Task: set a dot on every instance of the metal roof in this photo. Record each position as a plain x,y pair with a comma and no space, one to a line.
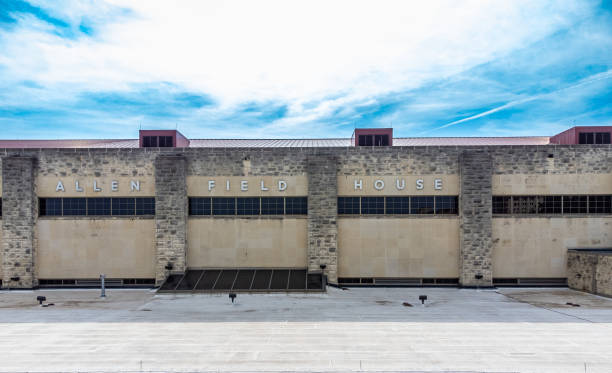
279,143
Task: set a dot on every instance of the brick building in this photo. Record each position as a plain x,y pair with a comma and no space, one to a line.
371,209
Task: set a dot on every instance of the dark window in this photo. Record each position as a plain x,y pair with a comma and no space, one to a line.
123,206
74,206
149,141
600,204
98,206
296,206
398,205
165,142
348,205
224,206
381,140
586,138
550,205
365,140
50,206
145,206
446,205
372,205
0,206
525,204
421,205
575,204
602,138
272,206
199,206
247,206
501,205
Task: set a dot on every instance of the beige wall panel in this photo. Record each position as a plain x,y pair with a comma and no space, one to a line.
537,247
518,184
236,242
46,187
198,186
85,248
449,185
410,247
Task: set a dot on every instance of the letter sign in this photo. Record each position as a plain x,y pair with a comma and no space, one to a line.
244,185
419,184
379,185
282,185
60,187
135,185
95,187
211,185
359,184
77,187
114,185
438,184
263,187
400,186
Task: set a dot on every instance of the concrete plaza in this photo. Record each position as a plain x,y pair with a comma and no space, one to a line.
504,330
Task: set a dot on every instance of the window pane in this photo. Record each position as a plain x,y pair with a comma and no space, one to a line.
123,206
602,138
575,204
98,206
165,141
550,205
525,204
421,205
149,141
247,206
446,205
348,205
398,205
199,206
296,206
224,206
145,206
372,205
50,206
74,206
600,204
272,206
501,205
362,140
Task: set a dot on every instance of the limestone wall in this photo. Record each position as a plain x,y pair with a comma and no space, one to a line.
590,271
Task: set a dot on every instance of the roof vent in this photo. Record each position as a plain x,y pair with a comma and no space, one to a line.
373,137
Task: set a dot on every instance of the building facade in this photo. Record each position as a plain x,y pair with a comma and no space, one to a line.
394,211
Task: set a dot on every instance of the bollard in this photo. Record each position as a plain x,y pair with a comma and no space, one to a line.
102,289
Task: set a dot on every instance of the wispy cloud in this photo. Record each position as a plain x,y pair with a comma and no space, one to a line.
286,69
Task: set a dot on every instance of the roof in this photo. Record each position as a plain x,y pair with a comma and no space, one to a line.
279,143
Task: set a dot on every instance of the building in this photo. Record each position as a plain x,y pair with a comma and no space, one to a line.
369,210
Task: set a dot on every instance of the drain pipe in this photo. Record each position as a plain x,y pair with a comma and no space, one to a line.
102,288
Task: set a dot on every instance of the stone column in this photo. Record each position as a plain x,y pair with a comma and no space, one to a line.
323,215
170,215
475,205
19,209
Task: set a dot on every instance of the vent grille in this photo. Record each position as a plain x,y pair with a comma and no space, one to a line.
93,282
400,281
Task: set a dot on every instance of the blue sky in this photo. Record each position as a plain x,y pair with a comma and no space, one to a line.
280,69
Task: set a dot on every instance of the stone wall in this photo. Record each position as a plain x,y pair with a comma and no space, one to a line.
590,270
323,215
475,212
19,209
170,215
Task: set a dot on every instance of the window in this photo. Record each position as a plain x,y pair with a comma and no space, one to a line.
98,206
398,205
50,206
550,205
348,205
224,206
372,205
165,142
272,206
149,141
594,138
525,204
145,206
575,204
247,206
0,206
422,205
199,206
296,206
373,140
501,205
123,206
446,205
600,204
74,206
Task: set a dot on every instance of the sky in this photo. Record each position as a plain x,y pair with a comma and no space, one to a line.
303,69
